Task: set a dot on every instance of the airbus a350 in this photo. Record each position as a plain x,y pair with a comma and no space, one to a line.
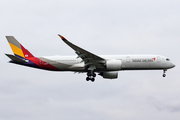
86,62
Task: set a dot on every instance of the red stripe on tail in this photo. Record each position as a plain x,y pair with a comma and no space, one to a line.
26,53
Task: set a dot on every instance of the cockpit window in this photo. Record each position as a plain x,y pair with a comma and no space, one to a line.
167,59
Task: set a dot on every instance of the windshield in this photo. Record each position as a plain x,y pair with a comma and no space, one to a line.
167,59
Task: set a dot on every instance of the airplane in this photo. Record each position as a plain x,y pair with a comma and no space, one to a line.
106,66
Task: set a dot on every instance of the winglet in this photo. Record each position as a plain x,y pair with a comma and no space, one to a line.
62,37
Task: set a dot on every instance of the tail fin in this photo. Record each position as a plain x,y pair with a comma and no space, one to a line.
17,48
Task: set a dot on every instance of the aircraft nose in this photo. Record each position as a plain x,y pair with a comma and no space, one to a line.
173,65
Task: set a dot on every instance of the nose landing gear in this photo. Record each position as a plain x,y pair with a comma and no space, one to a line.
164,73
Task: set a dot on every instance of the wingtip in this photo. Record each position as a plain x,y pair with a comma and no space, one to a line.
61,37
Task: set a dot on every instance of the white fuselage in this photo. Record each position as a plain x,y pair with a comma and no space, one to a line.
129,62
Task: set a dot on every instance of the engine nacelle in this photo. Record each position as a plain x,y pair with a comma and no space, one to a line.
113,65
109,75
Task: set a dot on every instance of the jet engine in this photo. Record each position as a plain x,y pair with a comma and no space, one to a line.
113,65
109,75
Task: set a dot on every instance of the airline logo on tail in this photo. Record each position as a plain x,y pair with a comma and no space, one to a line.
17,48
24,57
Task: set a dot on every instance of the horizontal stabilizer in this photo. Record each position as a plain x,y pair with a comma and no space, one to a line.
15,59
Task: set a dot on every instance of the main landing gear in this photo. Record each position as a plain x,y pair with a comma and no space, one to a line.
164,73
91,76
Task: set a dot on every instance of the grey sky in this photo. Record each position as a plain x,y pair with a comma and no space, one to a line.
102,27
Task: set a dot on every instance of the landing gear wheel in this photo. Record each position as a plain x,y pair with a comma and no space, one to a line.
88,74
92,79
94,75
87,79
164,75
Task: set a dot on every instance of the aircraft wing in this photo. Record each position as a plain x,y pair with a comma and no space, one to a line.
91,60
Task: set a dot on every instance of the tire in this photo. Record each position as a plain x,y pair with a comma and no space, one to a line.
92,79
87,79
94,75
88,74
164,75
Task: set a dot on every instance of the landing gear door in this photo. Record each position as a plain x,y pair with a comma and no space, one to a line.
128,59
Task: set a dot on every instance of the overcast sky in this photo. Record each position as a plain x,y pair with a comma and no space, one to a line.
102,27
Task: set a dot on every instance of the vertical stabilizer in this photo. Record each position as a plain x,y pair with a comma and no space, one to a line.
17,48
